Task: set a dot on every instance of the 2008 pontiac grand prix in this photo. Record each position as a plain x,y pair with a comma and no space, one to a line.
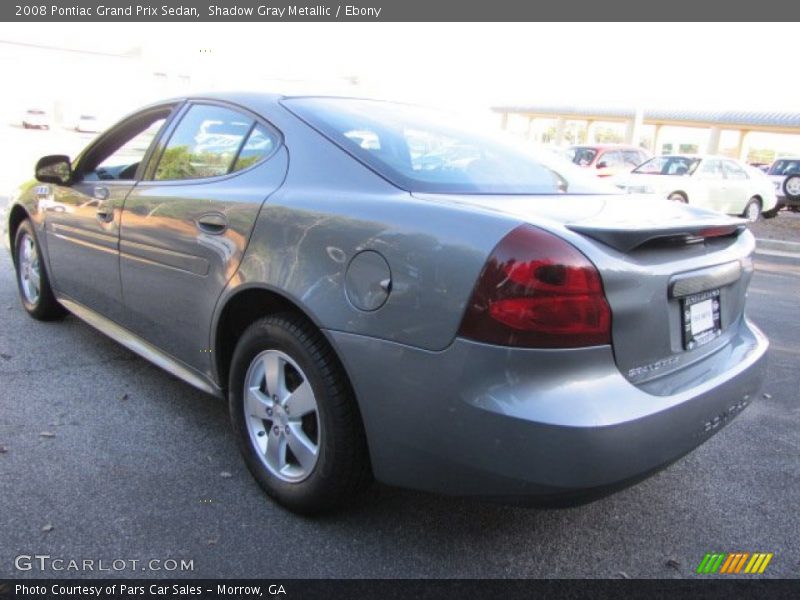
379,290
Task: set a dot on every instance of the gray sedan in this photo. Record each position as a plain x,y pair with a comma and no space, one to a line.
381,290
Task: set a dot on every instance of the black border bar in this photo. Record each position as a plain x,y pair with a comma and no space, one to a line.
402,589
400,11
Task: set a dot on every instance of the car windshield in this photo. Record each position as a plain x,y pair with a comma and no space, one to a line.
426,150
668,165
582,156
785,167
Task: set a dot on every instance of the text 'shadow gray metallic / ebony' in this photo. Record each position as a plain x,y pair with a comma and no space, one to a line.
381,290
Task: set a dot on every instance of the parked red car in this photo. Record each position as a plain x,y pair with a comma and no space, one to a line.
608,159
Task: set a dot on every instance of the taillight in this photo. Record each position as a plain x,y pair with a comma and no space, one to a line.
538,291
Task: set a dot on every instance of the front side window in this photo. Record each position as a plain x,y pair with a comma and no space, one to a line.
426,150
118,154
211,141
582,157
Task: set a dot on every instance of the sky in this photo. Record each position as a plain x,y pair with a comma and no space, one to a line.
466,66
699,66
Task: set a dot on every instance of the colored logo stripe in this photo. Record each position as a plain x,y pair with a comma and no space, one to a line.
758,563
733,562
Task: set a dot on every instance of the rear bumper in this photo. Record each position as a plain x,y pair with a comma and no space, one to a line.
546,426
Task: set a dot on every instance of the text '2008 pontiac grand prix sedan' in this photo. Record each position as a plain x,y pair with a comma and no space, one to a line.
380,291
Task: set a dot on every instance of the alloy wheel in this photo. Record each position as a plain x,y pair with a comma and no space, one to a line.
30,276
753,212
282,416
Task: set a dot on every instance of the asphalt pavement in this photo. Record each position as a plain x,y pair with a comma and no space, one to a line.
105,457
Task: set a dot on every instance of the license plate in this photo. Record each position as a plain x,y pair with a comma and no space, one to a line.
701,320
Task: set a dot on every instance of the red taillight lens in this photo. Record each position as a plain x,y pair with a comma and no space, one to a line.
538,291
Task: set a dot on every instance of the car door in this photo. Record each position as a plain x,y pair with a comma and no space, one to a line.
738,186
710,187
185,226
82,220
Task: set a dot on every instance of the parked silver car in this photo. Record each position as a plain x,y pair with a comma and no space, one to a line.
379,290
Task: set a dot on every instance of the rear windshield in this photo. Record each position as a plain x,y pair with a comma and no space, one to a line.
785,167
426,150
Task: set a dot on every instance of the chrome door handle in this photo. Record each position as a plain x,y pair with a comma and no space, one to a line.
104,212
212,223
101,192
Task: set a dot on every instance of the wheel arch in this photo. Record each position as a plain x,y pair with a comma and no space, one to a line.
680,192
15,218
249,304
241,308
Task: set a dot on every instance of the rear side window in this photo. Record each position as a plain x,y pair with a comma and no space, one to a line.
633,158
211,141
260,143
734,171
426,150
711,169
610,159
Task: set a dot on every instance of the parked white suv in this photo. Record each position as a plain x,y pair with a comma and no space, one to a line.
785,176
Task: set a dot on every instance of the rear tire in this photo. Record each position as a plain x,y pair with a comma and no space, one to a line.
752,212
771,214
33,282
302,440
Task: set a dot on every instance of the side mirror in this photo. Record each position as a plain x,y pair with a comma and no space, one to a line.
55,168
602,165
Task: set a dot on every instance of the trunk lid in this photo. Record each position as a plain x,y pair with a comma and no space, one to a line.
675,276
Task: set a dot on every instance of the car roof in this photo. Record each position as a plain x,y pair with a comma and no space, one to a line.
608,147
698,156
253,99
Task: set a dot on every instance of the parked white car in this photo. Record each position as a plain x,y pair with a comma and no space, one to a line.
88,124
35,118
714,182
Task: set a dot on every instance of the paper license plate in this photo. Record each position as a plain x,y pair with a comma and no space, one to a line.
701,319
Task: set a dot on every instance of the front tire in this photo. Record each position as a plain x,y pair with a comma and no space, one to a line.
752,212
296,417
33,282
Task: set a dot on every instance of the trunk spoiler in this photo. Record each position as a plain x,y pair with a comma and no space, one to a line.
626,237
